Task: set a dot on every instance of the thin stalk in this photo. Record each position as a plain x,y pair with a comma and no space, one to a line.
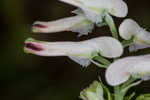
108,92
98,64
131,80
112,26
118,95
102,60
126,43
131,96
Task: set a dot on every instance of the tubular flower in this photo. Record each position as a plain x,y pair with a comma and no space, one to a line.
121,70
96,9
81,52
93,92
141,38
78,23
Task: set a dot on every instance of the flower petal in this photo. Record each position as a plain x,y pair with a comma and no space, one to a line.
135,47
95,9
109,47
141,70
121,70
128,29
80,52
119,8
82,61
77,23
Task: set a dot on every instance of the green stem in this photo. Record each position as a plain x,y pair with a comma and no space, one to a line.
118,94
131,96
120,91
98,64
126,43
108,92
131,80
111,24
102,60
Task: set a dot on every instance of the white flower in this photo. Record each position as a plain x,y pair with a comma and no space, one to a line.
78,23
96,9
80,52
93,92
121,70
141,38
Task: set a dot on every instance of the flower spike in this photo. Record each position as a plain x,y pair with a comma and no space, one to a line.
78,23
80,52
141,38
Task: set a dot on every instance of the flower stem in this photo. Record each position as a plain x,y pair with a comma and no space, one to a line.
126,43
112,26
120,91
118,94
98,64
102,60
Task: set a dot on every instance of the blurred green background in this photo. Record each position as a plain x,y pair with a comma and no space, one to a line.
30,77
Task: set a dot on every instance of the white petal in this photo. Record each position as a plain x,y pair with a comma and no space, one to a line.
120,71
83,62
45,48
107,46
117,8
128,28
95,18
135,47
143,37
77,23
76,3
77,11
117,73
141,69
83,28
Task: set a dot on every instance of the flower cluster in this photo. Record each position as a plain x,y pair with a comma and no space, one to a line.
90,13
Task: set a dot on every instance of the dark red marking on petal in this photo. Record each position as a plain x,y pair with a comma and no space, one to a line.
39,25
33,47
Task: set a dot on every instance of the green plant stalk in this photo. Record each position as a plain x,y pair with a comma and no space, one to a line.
109,96
112,26
118,94
102,60
98,64
120,91
126,43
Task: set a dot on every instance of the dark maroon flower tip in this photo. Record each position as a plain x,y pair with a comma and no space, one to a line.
39,25
33,47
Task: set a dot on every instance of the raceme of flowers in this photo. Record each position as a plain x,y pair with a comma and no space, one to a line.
88,14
